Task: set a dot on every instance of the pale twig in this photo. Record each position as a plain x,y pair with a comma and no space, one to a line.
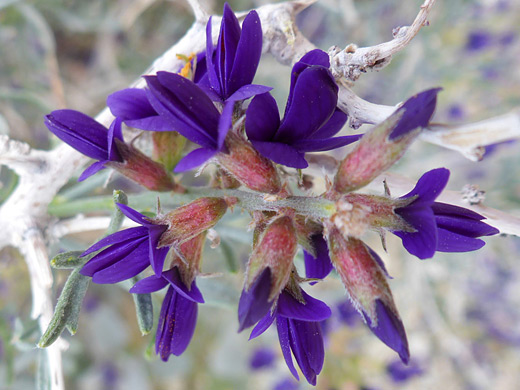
352,61
470,139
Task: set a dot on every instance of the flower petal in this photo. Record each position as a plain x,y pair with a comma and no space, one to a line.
149,285
448,241
194,159
130,103
225,123
312,310
114,132
281,154
320,266
307,347
254,303
417,112
263,325
134,215
248,53
423,242
157,255
429,186
262,118
314,100
282,325
321,145
80,131
176,282
165,325
125,268
119,238
332,126
185,321
92,170
390,330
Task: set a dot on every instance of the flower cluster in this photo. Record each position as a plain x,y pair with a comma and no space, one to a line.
206,103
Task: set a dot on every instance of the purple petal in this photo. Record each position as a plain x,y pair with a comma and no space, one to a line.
176,282
389,330
307,347
321,145
166,325
314,100
247,54
228,40
401,373
316,57
80,131
114,132
440,208
225,123
262,358
149,285
262,118
92,170
429,186
281,154
184,326
262,325
332,126
282,325
423,242
254,303
448,241
248,91
320,266
464,226
417,112
378,260
129,266
175,101
212,74
130,103
134,215
152,123
194,159
312,310
131,234
157,255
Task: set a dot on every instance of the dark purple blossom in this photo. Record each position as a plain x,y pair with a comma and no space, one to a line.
87,136
311,117
347,313
178,311
439,226
286,384
320,266
191,113
402,373
299,332
262,358
129,251
254,303
231,70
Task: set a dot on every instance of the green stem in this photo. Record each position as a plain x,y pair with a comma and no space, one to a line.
313,207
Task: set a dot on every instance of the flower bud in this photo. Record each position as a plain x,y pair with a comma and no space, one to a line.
268,270
384,144
363,274
191,220
191,251
250,168
355,213
142,169
167,148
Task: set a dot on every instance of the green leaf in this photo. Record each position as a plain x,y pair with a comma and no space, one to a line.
69,260
144,311
67,309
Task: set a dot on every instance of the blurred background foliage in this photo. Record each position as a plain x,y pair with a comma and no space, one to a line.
461,311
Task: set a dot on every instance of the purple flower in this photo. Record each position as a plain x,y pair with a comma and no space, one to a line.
232,69
254,303
320,266
401,373
129,251
286,384
439,226
348,313
299,332
191,113
87,136
178,311
262,358
311,116
478,40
